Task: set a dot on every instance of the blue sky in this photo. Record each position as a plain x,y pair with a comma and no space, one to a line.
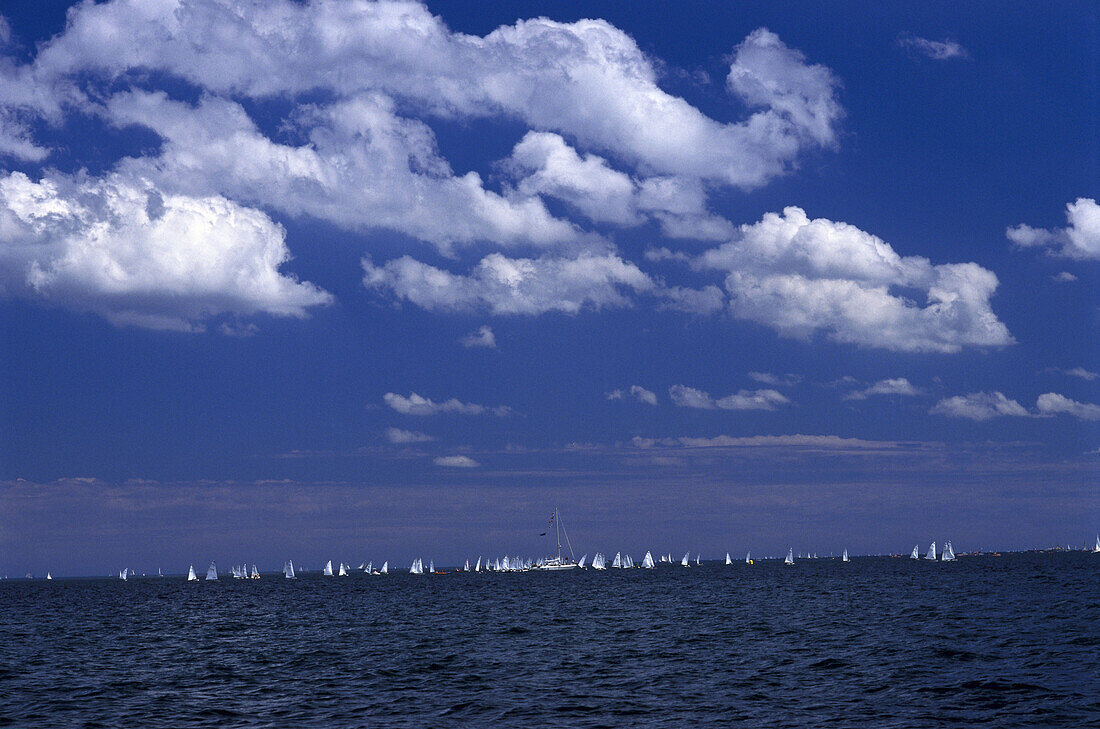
334,280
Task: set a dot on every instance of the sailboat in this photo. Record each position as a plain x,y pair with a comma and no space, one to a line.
255,573
124,574
628,562
931,554
617,563
790,556
477,567
948,553
343,570
647,563
49,576
370,568
288,570
327,571
599,562
1096,549
417,567
212,572
582,559
466,567
844,557
385,569
684,561
191,576
728,560
697,556
916,552
559,562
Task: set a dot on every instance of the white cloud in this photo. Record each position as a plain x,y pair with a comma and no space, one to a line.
502,285
1051,403
690,397
1080,239
979,406
1082,373
1064,277
483,337
138,256
936,50
587,80
415,404
637,392
801,276
398,436
456,462
890,386
765,441
767,378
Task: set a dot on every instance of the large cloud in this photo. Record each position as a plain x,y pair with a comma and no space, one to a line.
588,80
979,406
1079,239
802,276
123,249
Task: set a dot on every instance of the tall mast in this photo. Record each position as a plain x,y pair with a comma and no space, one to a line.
557,531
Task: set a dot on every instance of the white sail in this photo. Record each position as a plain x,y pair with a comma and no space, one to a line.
431,566
288,570
581,563
684,561
790,556
212,572
191,576
385,568
628,562
728,560
477,567
327,571
599,562
617,563
1096,548
916,552
255,573
49,576
416,568
931,553
948,553
647,562
697,558
125,574
370,567
343,570
844,557
466,567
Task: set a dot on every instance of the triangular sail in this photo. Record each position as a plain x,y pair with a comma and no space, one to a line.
385,569
948,553
466,568
599,562
1096,548
343,570
477,567
255,573
647,563
618,561
289,570
728,560
581,563
790,556
191,576
916,552
748,557
844,558
370,567
697,558
212,572
684,561
931,554
327,571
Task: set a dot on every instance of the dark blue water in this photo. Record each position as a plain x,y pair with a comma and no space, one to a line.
1008,641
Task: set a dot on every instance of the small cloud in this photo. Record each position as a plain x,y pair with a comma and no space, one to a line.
637,392
890,386
943,50
238,329
1064,277
979,406
398,436
766,378
483,337
689,397
1051,403
1079,372
416,404
1080,239
456,462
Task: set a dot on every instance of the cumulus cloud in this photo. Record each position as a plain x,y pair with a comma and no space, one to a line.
979,406
1064,277
690,397
637,392
890,386
801,276
1079,239
502,285
456,462
767,378
1051,403
397,436
943,50
140,256
415,404
483,337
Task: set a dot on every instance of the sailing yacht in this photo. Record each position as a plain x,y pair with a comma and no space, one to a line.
728,560
417,567
370,568
559,562
948,553
49,576
255,573
343,570
697,557
124,574
916,552
1096,549
647,562
385,569
466,567
790,556
599,562
212,572
580,563
844,557
617,563
477,567
288,570
931,554
684,561
191,576
327,571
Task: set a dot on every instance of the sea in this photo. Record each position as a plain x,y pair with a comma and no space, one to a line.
999,641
